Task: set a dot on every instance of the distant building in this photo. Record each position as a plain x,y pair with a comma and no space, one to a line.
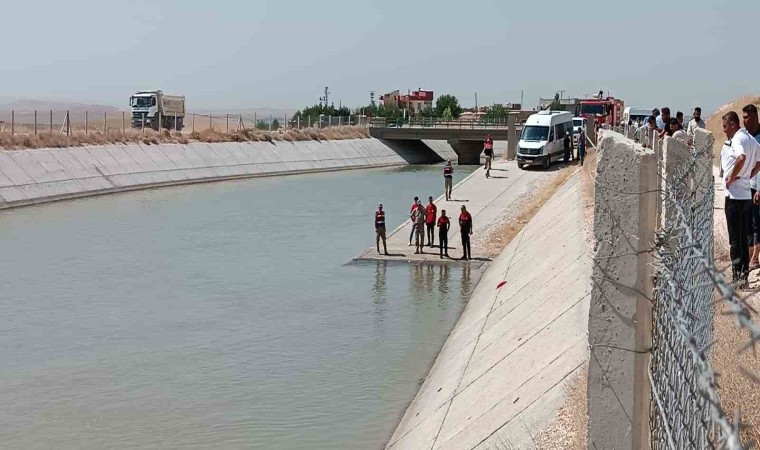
416,102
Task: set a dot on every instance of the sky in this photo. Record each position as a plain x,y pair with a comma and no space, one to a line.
282,53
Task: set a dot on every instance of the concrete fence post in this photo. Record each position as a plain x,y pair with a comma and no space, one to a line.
210,123
105,123
228,123
123,123
35,122
86,122
192,121
51,120
13,123
620,316
511,152
298,122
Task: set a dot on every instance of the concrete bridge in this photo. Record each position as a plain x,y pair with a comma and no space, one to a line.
465,137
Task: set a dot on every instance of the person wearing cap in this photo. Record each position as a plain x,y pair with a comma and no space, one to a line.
380,228
448,176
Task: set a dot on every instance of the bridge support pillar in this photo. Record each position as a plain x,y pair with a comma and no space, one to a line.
511,152
468,152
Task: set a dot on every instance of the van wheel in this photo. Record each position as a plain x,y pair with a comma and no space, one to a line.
547,162
520,165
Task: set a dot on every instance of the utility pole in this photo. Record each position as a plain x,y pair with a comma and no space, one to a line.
476,102
522,98
561,92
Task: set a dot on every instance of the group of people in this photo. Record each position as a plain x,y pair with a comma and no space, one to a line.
739,168
664,125
425,219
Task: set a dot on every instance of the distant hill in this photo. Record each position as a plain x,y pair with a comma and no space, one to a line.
26,105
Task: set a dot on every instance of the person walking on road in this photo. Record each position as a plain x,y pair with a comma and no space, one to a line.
380,228
411,212
488,152
448,178
431,213
738,158
418,219
443,233
465,228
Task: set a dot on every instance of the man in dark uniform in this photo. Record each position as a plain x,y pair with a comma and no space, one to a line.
465,228
380,228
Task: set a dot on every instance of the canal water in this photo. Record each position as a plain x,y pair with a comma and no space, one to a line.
218,316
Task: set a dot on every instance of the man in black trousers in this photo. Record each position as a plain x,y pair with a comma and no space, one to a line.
738,160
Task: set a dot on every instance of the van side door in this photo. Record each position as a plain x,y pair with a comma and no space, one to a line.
559,138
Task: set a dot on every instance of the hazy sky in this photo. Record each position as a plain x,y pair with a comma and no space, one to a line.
281,53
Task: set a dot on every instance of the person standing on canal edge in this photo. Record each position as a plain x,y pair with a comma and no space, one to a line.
411,216
443,233
567,143
465,228
418,218
581,145
448,175
380,228
431,213
488,151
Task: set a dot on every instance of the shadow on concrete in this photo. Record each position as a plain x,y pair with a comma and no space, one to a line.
413,151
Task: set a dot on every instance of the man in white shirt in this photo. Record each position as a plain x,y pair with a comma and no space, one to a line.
738,159
695,122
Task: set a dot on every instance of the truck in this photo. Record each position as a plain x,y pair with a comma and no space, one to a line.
602,110
154,109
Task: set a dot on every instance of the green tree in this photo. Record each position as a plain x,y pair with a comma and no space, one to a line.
427,112
447,114
275,124
497,112
449,102
261,125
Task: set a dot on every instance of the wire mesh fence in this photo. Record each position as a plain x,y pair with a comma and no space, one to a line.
684,406
33,122
681,384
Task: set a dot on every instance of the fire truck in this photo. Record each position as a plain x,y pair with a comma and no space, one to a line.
607,110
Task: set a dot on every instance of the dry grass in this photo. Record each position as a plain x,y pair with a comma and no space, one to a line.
77,139
501,235
569,430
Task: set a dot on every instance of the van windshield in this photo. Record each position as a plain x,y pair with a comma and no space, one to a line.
577,122
535,133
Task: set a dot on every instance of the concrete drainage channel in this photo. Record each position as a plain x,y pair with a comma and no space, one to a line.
43,175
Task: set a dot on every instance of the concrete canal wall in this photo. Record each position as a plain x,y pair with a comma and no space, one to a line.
502,374
43,175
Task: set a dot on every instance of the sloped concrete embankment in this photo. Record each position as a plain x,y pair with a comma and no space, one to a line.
501,375
43,175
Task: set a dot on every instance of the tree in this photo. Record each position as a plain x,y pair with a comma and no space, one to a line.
261,125
449,102
447,114
275,124
427,112
495,113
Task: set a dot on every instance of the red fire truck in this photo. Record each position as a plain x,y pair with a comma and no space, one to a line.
607,110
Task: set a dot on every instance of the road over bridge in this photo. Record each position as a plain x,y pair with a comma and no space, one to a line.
465,137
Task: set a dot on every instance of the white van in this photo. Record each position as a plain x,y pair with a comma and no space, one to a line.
542,138
632,113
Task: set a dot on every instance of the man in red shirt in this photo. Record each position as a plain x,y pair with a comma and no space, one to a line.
488,151
465,228
411,211
431,214
443,233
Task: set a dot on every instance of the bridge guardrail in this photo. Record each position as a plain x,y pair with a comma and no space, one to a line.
438,123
